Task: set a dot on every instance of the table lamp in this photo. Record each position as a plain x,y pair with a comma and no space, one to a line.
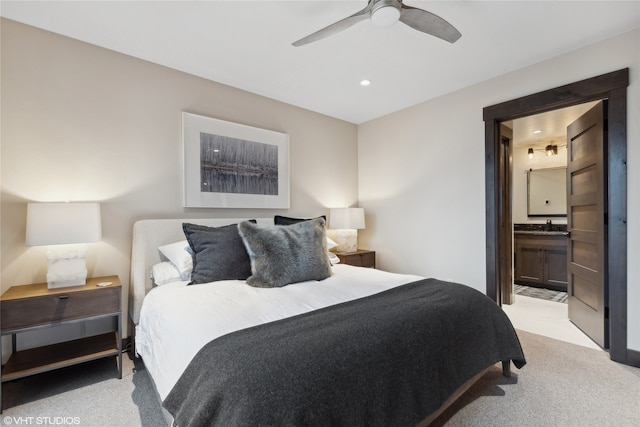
65,228
346,222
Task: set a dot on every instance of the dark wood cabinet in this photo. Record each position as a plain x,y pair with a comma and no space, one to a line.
359,258
31,307
541,260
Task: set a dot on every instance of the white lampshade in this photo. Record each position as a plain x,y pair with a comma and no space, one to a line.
68,226
63,223
346,218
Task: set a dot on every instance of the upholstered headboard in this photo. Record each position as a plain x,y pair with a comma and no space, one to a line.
148,235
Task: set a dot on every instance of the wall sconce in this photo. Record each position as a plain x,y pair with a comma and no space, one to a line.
530,152
59,224
346,222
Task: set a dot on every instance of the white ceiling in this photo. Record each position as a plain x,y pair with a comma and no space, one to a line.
552,126
247,44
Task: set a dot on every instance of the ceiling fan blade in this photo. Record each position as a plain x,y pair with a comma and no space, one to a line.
429,23
336,27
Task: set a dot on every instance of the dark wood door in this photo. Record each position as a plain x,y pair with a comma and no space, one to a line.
586,222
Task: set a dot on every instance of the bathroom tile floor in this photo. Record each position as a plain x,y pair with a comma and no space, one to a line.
546,318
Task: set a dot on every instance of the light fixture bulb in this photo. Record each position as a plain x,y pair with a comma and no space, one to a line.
365,82
385,16
530,153
551,150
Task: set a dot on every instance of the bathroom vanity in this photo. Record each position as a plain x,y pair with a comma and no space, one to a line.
541,255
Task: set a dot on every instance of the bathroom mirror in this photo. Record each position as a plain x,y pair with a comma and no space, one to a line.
547,192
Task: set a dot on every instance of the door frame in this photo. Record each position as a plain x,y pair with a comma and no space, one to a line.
506,199
613,87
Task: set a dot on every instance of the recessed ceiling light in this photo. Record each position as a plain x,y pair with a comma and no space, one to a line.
537,131
365,82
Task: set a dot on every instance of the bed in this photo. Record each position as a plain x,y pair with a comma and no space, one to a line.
358,347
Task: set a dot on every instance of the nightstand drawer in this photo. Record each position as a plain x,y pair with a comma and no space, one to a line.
360,258
34,311
363,260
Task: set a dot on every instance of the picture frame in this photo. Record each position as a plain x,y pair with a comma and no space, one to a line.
229,165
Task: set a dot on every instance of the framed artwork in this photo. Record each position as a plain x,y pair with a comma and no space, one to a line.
228,165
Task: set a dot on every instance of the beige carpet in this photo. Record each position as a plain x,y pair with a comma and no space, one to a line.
87,395
561,385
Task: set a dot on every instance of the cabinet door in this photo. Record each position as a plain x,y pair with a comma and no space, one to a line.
556,267
529,264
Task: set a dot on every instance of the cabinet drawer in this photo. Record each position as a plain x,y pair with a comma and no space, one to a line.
358,259
365,260
34,311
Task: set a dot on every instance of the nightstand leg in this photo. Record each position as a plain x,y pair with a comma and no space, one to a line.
0,374
13,350
119,346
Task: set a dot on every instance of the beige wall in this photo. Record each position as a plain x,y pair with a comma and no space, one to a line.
421,171
82,123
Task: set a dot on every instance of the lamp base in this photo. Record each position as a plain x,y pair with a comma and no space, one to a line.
347,240
56,283
67,267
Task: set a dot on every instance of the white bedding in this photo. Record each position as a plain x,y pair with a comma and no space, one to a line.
177,320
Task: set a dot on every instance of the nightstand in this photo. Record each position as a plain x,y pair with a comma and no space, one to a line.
30,307
359,258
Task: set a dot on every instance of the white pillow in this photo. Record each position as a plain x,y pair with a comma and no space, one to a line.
179,253
330,244
164,272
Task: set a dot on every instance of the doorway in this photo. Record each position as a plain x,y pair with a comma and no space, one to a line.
611,86
538,302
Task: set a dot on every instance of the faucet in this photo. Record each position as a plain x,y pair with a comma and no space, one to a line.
549,225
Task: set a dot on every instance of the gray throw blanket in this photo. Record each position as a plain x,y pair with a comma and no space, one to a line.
390,359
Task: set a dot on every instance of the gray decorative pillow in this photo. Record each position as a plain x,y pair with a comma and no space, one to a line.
286,220
284,255
218,253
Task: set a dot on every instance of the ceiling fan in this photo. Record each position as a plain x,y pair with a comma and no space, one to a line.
384,13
